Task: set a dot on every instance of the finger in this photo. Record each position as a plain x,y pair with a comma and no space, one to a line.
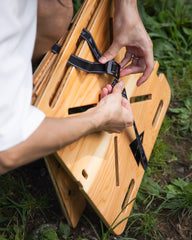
118,88
125,103
131,69
127,113
148,70
109,88
149,62
104,93
110,53
126,59
106,90
145,76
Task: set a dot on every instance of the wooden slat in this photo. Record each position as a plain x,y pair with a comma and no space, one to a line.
72,204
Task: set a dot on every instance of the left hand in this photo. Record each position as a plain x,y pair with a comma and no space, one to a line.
129,32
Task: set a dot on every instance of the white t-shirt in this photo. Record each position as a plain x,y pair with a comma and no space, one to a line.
18,119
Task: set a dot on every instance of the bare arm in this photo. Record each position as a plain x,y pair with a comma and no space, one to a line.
129,32
112,114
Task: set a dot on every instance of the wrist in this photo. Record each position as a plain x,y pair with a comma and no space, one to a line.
95,119
126,12
126,3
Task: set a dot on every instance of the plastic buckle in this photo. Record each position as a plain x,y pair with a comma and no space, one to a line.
113,68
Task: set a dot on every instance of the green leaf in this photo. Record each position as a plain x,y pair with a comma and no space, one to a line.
172,190
174,110
188,188
179,183
48,234
188,104
64,230
187,31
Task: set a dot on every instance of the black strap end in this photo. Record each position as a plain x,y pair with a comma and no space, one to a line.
56,48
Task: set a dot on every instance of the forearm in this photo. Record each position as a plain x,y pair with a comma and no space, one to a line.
52,135
112,114
125,7
126,12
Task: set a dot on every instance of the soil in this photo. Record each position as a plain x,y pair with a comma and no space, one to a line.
38,182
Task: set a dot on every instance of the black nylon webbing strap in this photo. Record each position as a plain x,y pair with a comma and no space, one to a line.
86,35
56,48
141,150
143,157
112,68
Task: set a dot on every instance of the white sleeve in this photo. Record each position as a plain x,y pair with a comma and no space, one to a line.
18,119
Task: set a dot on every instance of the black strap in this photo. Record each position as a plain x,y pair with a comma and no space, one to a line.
143,157
144,161
56,48
86,35
112,68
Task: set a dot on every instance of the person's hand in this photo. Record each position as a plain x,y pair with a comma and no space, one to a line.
115,110
129,32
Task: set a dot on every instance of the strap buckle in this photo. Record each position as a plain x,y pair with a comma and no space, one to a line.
112,68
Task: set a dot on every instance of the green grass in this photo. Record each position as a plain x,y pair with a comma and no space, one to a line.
17,207
76,5
179,197
144,226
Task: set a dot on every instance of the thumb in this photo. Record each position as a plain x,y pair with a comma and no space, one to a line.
110,53
118,88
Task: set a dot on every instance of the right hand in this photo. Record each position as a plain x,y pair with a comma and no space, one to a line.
115,110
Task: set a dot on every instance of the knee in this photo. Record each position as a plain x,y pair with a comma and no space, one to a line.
53,20
54,9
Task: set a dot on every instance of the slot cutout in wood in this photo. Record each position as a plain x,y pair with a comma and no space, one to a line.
111,29
84,173
157,114
116,160
69,192
128,195
140,98
80,109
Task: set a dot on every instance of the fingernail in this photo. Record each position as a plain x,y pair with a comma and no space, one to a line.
103,59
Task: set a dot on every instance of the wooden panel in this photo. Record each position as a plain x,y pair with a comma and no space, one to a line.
71,199
103,164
